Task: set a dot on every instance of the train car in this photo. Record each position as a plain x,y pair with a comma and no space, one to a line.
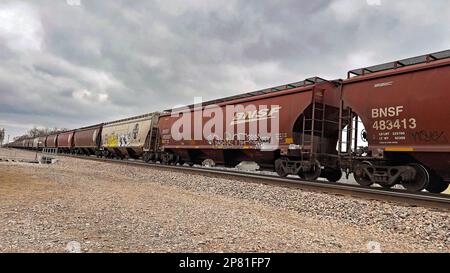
35,143
404,108
29,143
130,138
51,141
41,142
305,144
65,142
87,140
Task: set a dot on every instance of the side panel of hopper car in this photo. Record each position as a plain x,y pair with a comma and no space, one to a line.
231,148
35,143
408,114
126,136
41,143
65,140
87,138
51,141
29,143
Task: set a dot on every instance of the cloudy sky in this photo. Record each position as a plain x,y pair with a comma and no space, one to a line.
71,63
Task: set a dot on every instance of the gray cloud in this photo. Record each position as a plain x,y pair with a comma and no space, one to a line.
68,66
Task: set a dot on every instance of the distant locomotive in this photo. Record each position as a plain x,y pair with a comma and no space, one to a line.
402,106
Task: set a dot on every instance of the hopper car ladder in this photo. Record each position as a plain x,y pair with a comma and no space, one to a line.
152,142
314,125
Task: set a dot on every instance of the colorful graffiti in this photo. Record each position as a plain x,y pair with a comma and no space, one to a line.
123,140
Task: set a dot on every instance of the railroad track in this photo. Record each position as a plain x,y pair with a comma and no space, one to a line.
438,201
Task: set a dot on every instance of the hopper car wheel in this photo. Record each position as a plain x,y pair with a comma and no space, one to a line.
333,175
209,163
279,168
420,181
314,173
165,160
152,157
177,160
436,185
146,157
360,176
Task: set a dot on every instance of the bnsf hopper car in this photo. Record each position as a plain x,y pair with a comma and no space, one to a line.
130,137
65,141
87,140
51,141
304,145
404,107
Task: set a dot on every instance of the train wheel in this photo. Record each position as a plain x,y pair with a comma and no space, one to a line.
175,160
209,163
152,157
436,185
360,175
279,168
314,173
333,175
420,181
146,157
165,160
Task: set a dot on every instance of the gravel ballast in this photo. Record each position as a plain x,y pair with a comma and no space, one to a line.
104,207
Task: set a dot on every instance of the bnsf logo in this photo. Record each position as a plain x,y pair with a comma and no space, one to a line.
251,116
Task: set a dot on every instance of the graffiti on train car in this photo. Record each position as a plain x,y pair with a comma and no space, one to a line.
430,136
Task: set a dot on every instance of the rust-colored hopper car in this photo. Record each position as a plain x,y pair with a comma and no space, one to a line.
87,140
304,145
404,107
51,141
65,142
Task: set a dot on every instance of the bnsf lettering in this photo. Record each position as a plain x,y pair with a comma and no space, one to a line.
388,112
388,119
256,115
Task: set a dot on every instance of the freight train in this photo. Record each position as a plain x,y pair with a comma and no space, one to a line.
402,106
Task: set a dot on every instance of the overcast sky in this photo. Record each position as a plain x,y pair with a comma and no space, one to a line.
71,63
